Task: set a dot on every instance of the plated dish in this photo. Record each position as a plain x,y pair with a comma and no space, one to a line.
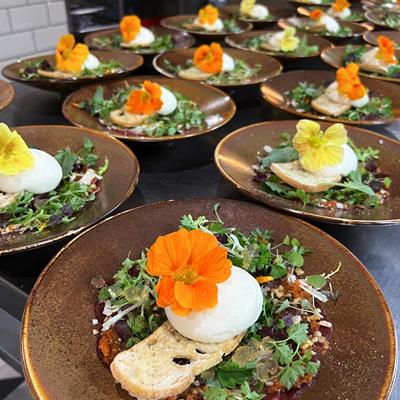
149,108
135,38
321,24
217,66
7,94
56,181
259,14
371,37
338,97
340,9
181,357
282,44
208,23
71,66
324,171
380,62
387,19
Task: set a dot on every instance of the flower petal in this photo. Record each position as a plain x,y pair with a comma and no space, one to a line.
336,134
165,292
199,296
179,310
169,253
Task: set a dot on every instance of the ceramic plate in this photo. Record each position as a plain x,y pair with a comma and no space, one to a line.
275,13
322,3
299,23
384,18
274,91
181,40
357,14
269,67
177,22
118,184
372,37
7,94
130,62
333,57
57,338
217,106
239,41
237,152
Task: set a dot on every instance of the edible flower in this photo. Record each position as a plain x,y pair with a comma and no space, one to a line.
208,15
15,156
190,264
246,6
316,14
386,50
318,149
340,5
349,83
289,41
264,279
70,57
146,100
209,58
129,26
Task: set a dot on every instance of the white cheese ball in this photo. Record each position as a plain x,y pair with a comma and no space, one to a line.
259,11
330,23
91,62
169,102
228,64
43,177
342,15
218,25
348,164
144,38
240,301
363,101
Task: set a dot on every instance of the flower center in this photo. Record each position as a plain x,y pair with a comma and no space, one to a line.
315,141
186,275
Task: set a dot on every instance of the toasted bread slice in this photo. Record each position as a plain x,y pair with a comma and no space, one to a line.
131,46
123,118
325,105
267,46
148,369
193,74
55,74
376,68
294,175
7,198
317,28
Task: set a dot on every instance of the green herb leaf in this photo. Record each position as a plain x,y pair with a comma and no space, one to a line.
317,281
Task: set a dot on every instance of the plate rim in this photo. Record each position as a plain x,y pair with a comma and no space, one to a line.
297,213
152,139
82,228
24,350
11,98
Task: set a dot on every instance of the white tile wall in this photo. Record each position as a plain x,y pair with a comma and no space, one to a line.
28,27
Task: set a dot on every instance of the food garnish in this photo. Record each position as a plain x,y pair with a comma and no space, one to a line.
38,191
327,169
280,351
249,9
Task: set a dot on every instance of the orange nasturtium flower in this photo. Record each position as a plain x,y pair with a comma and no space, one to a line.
208,15
386,50
209,58
190,264
349,83
130,26
70,57
146,100
316,14
340,5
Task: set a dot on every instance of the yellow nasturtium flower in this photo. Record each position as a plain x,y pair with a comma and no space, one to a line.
15,156
290,41
246,6
318,149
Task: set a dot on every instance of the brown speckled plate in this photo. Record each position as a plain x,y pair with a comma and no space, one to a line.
269,67
118,184
275,13
371,37
274,91
7,94
130,62
239,41
357,14
59,349
334,56
177,22
237,152
182,40
323,3
300,25
218,107
377,17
